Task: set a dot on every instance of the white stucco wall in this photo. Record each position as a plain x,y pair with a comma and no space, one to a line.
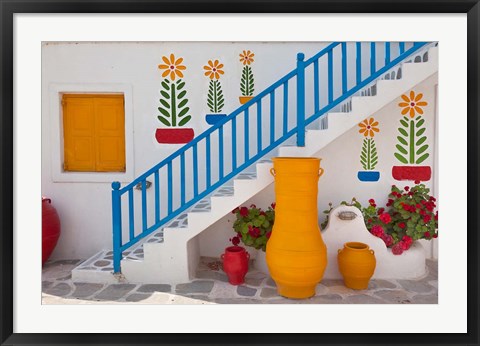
83,201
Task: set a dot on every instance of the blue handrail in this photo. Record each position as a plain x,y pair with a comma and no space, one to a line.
175,202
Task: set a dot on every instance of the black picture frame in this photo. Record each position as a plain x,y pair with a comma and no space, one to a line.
9,8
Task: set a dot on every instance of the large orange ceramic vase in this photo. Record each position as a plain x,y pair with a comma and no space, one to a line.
296,254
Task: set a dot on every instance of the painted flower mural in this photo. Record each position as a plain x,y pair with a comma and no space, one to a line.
412,149
368,155
174,110
215,99
247,82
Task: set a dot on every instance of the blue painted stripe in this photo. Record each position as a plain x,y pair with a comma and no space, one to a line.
373,58
234,144
208,164
182,178
220,152
131,216
195,171
144,205
259,126
359,62
157,195
344,68
170,187
401,47
300,100
116,226
272,117
387,52
316,86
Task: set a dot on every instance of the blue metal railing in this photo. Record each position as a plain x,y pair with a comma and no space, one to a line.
279,130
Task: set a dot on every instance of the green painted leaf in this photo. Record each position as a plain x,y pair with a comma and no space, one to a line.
182,103
420,123
403,132
165,85
164,112
401,158
184,120
420,132
402,140
163,120
373,164
165,94
183,112
421,140
422,158
180,85
165,103
418,117
401,149
182,94
422,149
404,123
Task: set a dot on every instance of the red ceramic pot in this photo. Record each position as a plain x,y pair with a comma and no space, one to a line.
421,173
50,228
175,135
235,264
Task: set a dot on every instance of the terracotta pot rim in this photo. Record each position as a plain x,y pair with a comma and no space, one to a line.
235,248
281,158
356,246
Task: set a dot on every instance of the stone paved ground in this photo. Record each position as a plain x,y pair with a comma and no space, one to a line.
211,286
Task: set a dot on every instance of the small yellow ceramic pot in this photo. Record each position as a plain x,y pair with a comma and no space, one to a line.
356,262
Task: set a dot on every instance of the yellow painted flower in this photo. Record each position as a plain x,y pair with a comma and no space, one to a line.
172,67
213,69
247,57
368,127
412,104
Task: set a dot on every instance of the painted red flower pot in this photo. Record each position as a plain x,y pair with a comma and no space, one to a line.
235,264
50,228
421,173
175,135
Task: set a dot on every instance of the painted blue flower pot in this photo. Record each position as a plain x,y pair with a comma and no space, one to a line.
212,119
368,175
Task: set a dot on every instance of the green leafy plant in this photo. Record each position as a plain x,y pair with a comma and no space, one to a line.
253,226
409,215
411,145
247,81
215,99
173,103
369,157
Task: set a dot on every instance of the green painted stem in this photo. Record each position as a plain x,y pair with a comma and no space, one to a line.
174,110
368,153
412,141
215,109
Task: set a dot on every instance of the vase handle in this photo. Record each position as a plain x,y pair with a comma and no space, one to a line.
372,252
248,256
320,172
339,250
272,172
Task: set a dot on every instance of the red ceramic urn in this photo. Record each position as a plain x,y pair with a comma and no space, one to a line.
50,228
235,264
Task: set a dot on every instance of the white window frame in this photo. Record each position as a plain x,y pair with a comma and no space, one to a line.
56,140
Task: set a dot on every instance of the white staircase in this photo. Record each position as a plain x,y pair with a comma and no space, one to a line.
171,255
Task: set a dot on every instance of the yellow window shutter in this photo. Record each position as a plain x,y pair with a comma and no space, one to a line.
78,134
110,133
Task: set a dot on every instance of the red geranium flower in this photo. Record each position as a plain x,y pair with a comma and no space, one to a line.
387,238
244,211
406,188
390,202
273,205
235,240
417,182
385,218
380,211
377,231
427,218
269,234
371,201
401,225
427,234
397,249
254,232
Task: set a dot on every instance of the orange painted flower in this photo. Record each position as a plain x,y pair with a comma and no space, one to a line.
172,67
368,127
247,57
213,69
412,104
